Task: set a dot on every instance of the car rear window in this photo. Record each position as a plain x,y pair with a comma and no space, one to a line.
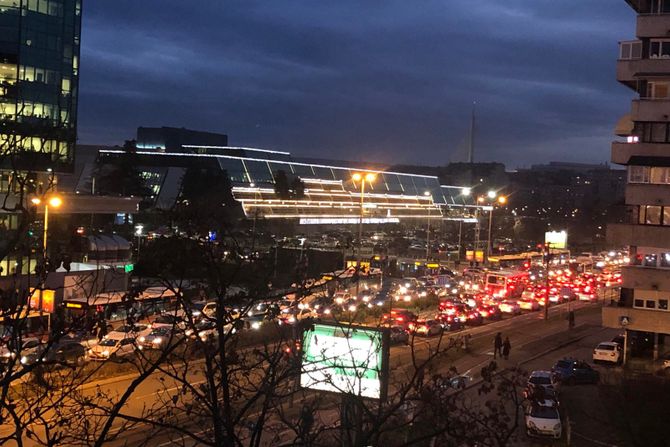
563,364
540,380
603,347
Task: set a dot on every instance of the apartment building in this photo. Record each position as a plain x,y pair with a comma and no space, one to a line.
644,148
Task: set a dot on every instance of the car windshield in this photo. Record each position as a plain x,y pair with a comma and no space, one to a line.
540,380
544,412
108,342
159,332
125,328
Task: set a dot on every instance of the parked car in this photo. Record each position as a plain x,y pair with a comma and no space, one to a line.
666,361
607,351
572,372
543,420
113,348
545,379
62,353
398,334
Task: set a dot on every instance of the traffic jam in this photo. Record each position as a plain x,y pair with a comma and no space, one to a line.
477,296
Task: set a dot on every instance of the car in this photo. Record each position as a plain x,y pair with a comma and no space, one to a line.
540,395
545,379
112,347
399,317
65,352
28,345
543,420
572,372
136,330
490,312
426,327
168,321
587,293
528,304
457,382
398,334
509,307
158,338
607,351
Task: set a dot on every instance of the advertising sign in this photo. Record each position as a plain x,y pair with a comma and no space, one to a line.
556,239
345,359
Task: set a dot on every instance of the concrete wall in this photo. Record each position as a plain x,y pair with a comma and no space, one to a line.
639,319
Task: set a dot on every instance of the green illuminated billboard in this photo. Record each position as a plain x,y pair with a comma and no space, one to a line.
345,359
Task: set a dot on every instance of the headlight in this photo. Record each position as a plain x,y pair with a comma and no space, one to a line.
352,308
326,311
291,319
24,360
142,339
255,325
557,427
189,332
8,354
105,353
157,341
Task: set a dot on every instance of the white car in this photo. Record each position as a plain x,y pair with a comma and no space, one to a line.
546,379
112,348
509,307
607,351
543,420
28,346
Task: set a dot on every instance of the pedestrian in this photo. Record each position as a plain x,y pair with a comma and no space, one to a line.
506,347
497,345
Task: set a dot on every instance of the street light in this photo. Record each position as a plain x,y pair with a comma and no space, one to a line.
54,202
501,200
361,177
427,194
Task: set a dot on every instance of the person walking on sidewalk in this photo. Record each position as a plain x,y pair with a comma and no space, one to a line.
505,348
497,346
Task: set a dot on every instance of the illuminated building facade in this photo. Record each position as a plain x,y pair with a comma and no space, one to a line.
39,72
325,194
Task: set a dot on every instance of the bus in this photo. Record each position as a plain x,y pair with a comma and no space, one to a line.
526,260
506,283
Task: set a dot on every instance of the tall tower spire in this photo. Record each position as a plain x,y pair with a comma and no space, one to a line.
471,149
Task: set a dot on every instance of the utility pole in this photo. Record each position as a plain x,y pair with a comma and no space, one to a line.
545,252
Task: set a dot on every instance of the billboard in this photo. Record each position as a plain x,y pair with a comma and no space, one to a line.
556,239
345,359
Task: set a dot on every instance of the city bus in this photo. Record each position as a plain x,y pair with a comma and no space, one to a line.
506,283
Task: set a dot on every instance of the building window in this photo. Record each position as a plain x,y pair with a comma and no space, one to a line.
638,174
659,48
658,90
638,303
665,259
649,260
650,304
630,50
663,304
659,7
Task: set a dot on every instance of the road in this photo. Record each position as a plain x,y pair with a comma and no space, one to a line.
529,334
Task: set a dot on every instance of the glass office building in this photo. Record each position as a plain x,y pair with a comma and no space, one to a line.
329,194
39,72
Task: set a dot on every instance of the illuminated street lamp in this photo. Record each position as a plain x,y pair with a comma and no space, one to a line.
54,202
368,177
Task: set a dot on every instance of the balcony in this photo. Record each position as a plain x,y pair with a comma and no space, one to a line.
630,70
621,152
647,194
621,235
647,278
652,25
647,109
638,319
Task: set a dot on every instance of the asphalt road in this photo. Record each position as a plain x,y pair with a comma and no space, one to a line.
529,334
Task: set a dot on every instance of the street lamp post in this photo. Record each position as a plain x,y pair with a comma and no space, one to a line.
361,177
54,202
427,194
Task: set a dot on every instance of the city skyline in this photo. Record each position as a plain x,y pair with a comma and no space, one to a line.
393,84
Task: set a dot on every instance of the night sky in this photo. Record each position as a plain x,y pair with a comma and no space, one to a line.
381,80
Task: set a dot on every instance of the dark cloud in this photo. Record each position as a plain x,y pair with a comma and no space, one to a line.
379,80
